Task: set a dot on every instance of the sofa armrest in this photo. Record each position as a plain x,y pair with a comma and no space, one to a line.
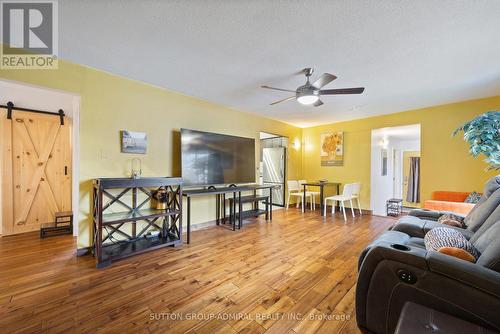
417,227
388,238
425,214
433,215
389,277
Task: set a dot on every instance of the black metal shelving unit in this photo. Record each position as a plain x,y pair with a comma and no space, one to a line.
233,192
116,234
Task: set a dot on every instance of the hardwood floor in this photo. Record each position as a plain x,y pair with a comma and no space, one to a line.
287,276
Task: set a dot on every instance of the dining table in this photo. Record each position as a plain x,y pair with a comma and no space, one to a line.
321,185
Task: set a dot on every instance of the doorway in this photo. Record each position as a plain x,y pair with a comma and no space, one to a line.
410,158
39,157
395,167
272,169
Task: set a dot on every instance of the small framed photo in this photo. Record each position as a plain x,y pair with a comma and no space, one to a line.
134,142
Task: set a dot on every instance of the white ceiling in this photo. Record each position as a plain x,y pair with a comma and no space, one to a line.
408,54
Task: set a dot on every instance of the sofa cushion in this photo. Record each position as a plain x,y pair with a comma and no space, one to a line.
488,202
491,186
477,239
440,237
449,196
482,211
490,258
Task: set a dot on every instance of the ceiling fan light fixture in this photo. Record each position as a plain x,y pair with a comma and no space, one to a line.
308,99
310,93
306,95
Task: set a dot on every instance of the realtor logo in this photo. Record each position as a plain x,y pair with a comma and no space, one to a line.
29,34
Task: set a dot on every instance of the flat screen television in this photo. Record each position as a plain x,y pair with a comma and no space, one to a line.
212,158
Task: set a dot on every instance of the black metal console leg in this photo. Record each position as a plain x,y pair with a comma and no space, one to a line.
224,208
321,196
233,219
188,225
230,211
217,209
240,209
255,205
271,205
338,202
304,203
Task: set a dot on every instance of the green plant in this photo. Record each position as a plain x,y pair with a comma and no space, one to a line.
483,136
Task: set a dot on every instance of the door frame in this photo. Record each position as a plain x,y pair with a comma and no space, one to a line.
397,172
285,158
74,115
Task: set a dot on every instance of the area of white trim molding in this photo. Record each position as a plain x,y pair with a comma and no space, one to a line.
394,140
41,98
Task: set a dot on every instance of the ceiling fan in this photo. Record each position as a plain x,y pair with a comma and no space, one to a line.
310,93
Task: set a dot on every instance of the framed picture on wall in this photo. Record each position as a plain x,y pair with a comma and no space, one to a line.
332,149
134,142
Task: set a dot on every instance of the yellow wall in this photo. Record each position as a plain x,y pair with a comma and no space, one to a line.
110,103
446,163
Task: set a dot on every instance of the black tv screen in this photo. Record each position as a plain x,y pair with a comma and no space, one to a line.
211,158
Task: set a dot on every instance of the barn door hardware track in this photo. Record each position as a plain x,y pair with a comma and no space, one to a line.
10,108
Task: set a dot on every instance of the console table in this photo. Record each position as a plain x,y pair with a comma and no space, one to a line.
121,224
235,191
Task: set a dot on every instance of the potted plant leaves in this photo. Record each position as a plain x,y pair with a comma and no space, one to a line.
483,135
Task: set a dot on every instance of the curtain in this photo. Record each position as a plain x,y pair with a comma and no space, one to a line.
413,194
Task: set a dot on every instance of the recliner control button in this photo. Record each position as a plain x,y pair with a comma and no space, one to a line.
407,276
431,327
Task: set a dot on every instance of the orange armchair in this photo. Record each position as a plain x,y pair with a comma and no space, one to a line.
449,201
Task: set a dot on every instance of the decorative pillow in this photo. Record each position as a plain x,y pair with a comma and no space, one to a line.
458,253
473,198
452,220
440,237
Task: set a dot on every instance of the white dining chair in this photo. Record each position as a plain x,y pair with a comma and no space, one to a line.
309,193
294,189
351,191
355,195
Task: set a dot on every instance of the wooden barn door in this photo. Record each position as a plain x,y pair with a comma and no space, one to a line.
37,170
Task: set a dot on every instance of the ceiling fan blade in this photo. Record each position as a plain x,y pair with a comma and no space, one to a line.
317,103
324,80
283,100
338,91
281,89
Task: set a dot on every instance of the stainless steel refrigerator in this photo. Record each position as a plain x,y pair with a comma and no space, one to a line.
273,172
